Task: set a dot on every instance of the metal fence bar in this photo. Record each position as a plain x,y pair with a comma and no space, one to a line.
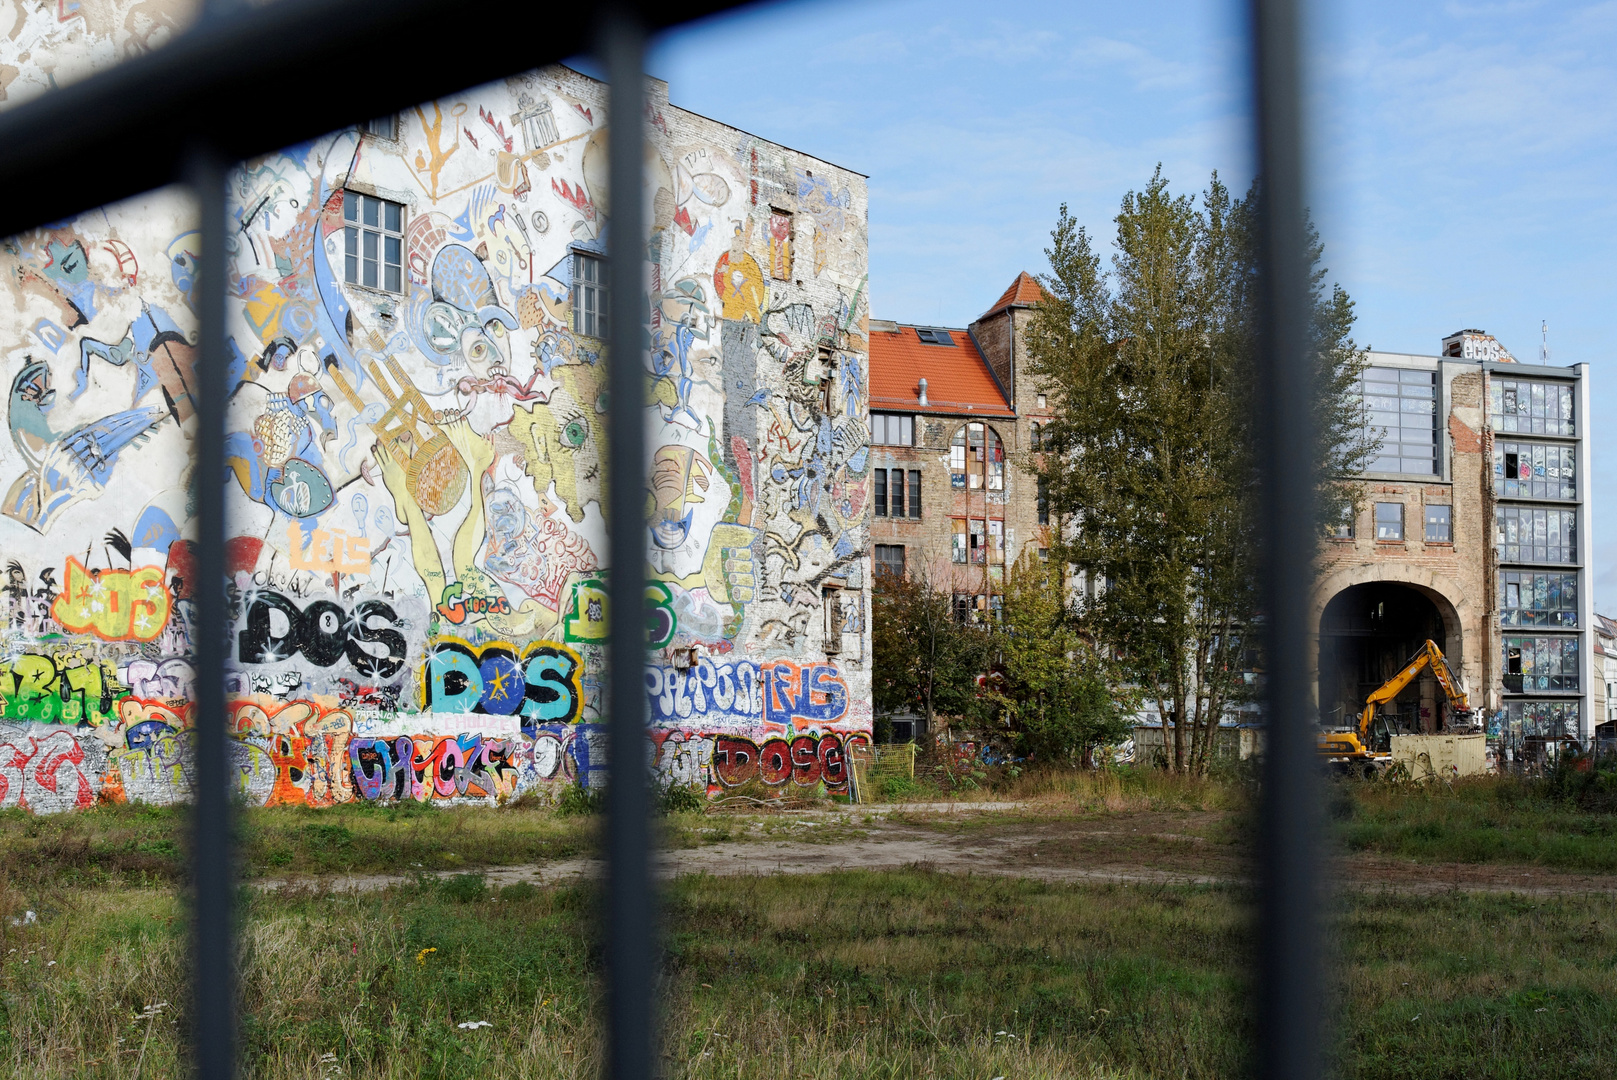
213,959
630,945
1289,976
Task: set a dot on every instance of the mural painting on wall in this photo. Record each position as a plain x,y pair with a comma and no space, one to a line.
414,467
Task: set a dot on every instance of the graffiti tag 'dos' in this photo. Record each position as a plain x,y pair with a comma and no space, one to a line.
414,461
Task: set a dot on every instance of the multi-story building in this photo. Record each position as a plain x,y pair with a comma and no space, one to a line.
415,454
1472,529
952,413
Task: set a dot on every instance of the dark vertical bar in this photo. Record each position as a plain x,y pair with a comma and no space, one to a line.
1289,978
213,943
630,907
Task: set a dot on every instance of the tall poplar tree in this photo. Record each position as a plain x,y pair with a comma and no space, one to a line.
1148,464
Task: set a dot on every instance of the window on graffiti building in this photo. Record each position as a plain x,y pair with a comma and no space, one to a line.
915,493
1530,408
1538,599
977,459
831,606
1522,534
589,295
780,245
383,127
889,560
373,242
881,493
1530,471
1537,664
962,608
1342,527
898,493
892,429
979,542
1440,524
1400,409
828,381
958,549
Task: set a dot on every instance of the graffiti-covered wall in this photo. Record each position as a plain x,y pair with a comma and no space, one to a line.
415,461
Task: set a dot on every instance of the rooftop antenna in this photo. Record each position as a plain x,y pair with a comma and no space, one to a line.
1544,344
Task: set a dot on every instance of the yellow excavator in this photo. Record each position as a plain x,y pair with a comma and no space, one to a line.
1352,748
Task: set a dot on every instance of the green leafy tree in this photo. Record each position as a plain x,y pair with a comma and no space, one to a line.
1049,684
1148,464
923,659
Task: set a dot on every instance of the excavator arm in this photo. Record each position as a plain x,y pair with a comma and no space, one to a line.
1429,656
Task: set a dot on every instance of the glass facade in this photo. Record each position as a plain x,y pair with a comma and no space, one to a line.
1538,664
1529,407
1525,534
1552,719
1401,411
1533,471
1538,599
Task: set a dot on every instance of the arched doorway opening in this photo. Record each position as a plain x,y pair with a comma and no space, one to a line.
1367,633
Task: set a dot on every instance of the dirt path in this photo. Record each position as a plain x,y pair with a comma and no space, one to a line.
1139,848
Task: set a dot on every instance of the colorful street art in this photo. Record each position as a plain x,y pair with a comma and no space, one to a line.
415,461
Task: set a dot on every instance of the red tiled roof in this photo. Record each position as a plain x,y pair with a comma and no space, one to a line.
957,377
1023,291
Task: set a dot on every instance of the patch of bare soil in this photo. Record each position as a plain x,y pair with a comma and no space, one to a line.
1143,847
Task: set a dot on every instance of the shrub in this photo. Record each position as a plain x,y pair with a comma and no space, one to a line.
464,888
578,800
681,799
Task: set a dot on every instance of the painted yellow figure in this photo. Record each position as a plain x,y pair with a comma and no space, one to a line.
560,438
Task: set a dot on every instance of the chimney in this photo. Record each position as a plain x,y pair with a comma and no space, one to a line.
923,391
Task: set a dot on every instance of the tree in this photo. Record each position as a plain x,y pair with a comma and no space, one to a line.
922,658
1148,463
1049,683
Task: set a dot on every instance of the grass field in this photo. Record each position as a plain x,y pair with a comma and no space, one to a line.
864,974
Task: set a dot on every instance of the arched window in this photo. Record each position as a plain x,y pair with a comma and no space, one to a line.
977,458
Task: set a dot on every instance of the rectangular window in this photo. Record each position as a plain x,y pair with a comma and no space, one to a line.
898,493
828,381
1546,719
892,429
1343,529
386,127
1044,554
780,245
889,560
589,295
373,242
1540,664
996,541
1389,521
1439,525
1523,534
957,550
1401,410
1044,501
1530,408
979,540
831,605
962,608
915,493
1533,471
880,499
1528,598
934,337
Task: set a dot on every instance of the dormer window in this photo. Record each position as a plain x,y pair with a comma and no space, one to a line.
934,337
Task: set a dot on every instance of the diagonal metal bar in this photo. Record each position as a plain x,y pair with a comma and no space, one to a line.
213,952
631,942
1289,966
327,64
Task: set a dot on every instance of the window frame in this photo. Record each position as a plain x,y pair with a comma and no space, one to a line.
879,493
1447,523
915,494
589,289
356,230
884,421
1382,523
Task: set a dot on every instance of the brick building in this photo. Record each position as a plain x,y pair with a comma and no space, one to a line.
953,413
1472,529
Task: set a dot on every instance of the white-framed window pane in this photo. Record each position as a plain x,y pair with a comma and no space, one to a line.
350,254
394,217
350,206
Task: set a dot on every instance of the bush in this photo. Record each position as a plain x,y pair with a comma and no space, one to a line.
521,890
681,799
464,888
578,800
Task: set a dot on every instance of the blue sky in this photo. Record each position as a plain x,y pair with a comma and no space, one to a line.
1461,159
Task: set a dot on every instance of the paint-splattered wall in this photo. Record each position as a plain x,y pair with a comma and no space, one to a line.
415,463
